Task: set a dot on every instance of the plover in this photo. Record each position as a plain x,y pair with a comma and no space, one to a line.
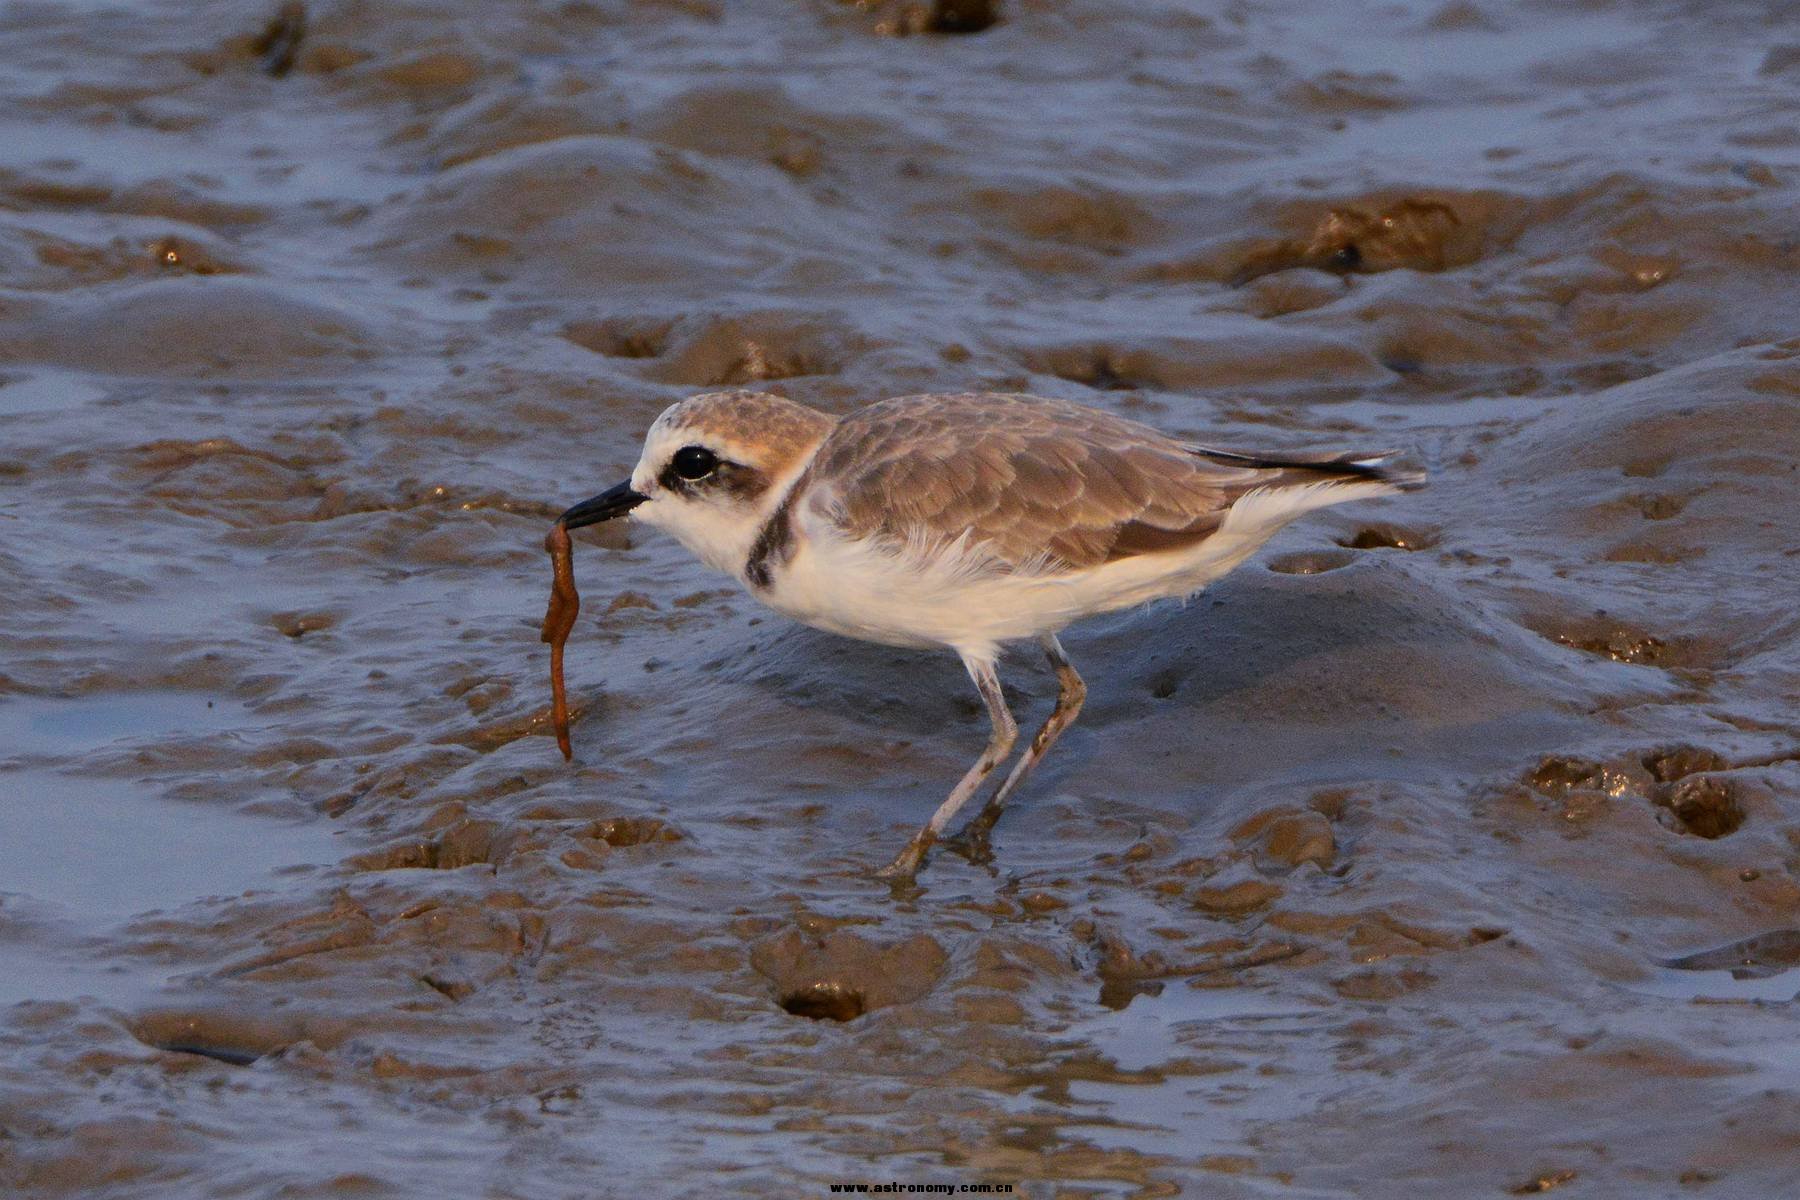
965,522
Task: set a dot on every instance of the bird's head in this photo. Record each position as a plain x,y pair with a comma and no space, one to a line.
713,469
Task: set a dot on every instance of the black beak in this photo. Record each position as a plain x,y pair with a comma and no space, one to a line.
613,502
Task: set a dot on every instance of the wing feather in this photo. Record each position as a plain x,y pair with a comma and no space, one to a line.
1034,484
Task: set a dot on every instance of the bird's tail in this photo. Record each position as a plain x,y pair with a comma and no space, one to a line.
1391,467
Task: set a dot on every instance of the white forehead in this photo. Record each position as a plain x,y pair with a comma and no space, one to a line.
753,428
677,428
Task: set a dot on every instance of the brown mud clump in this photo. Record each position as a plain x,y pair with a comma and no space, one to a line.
559,619
1412,233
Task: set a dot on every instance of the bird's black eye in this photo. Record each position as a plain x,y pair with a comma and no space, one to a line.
694,462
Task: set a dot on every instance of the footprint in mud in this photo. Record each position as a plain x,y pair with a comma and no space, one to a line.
1584,789
1558,775
1622,645
1415,234
1680,781
1606,636
1286,838
622,337
463,844
1126,973
1705,806
722,351
1102,368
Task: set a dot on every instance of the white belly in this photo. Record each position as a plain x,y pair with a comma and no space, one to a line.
955,596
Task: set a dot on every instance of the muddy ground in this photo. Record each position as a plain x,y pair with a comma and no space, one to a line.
1420,857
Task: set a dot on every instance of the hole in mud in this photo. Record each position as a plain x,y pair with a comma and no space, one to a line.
1704,806
1310,562
174,254
224,1054
962,16
1389,537
825,1001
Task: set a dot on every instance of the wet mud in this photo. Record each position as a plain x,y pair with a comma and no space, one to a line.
1446,848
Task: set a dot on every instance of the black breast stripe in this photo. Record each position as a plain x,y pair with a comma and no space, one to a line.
774,543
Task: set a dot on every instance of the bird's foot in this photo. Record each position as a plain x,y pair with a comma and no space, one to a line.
974,842
977,850
906,864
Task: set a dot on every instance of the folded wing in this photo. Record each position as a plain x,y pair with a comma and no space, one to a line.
1037,485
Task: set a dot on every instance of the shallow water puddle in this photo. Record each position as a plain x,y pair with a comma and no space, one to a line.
1718,985
88,852
47,391
33,725
102,850
28,972
1208,1044
1758,968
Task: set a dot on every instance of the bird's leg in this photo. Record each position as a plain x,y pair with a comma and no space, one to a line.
1072,691
1000,744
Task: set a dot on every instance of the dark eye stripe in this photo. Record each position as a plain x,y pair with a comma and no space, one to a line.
741,483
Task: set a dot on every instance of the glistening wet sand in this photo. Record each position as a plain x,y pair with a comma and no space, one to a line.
1448,848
